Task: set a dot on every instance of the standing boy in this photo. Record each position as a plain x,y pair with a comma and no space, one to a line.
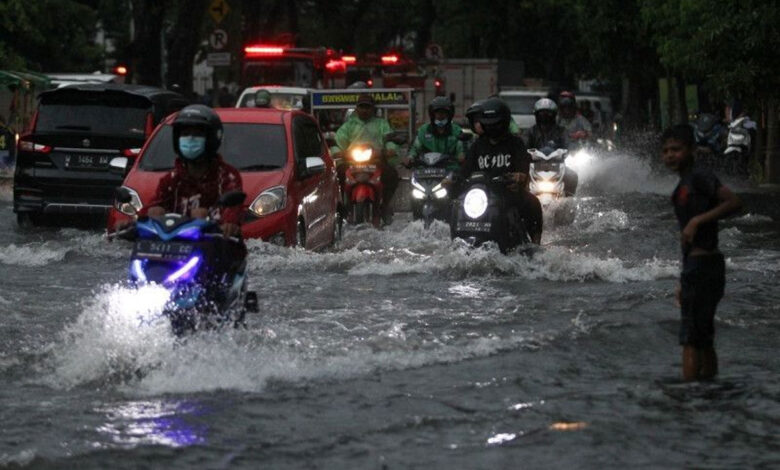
699,201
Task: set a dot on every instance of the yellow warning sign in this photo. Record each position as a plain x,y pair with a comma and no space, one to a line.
218,10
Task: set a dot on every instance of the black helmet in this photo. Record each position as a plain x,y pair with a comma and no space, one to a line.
495,117
441,103
473,114
199,115
360,84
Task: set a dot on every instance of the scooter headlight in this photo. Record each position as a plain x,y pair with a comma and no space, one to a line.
361,155
440,193
417,194
475,203
545,186
269,201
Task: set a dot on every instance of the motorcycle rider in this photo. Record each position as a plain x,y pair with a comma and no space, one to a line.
439,135
547,133
576,126
498,152
200,175
363,126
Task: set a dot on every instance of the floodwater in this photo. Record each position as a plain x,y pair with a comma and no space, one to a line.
401,349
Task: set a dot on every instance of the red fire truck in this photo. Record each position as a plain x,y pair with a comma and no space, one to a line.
274,64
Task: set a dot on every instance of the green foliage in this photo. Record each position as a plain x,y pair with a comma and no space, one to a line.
49,35
731,46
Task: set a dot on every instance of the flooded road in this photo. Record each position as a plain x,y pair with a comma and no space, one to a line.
402,349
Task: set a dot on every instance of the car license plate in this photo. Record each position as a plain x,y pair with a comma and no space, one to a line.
155,249
473,226
86,162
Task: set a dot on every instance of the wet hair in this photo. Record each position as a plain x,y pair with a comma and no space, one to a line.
680,132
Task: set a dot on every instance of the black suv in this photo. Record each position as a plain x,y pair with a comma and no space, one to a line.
82,140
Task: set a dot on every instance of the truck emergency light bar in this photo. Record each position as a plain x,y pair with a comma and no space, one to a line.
389,59
263,50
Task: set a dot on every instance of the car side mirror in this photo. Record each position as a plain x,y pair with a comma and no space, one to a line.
232,198
314,165
118,165
123,195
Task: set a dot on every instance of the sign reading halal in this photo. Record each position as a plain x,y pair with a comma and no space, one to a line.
346,99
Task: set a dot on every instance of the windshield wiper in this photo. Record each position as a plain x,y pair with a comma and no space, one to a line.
74,127
260,166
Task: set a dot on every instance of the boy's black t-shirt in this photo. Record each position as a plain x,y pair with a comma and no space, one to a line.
508,155
697,193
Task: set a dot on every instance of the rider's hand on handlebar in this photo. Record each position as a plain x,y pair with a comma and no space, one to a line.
230,230
155,211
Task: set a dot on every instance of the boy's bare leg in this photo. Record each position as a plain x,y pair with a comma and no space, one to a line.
709,363
691,363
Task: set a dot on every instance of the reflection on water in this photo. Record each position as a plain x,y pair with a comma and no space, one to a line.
154,422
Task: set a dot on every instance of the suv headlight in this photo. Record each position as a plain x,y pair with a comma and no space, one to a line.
269,201
132,207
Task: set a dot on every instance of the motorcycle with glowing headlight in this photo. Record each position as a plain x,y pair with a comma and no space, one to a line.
431,182
203,270
363,185
547,174
481,214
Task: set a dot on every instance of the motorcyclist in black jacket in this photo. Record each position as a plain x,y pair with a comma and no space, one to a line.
497,152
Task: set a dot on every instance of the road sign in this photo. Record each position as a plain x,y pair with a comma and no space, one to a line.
218,39
218,59
218,10
434,52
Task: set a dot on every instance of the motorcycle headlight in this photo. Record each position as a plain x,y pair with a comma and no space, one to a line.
361,155
475,203
417,185
440,193
545,186
269,201
417,194
132,207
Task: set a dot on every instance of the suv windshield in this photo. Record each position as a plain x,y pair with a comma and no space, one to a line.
521,104
248,147
118,114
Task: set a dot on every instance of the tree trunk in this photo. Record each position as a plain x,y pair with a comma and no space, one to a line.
183,43
147,45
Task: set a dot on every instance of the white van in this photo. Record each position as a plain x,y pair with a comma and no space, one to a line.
521,103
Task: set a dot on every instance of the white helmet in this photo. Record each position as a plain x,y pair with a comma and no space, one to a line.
545,104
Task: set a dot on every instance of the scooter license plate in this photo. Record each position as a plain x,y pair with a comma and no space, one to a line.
473,226
430,173
153,249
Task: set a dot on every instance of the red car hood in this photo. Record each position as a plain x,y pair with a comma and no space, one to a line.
253,182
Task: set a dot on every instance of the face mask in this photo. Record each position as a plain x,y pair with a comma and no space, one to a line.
192,147
440,123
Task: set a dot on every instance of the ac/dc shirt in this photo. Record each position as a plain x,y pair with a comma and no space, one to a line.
697,193
508,155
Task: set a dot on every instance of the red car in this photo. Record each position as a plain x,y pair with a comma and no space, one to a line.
288,175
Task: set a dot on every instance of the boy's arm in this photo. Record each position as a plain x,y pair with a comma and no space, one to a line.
729,204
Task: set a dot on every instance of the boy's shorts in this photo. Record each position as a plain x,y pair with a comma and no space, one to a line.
702,282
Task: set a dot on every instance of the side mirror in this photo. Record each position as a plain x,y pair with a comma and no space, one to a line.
118,165
397,137
122,194
465,136
314,165
232,198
